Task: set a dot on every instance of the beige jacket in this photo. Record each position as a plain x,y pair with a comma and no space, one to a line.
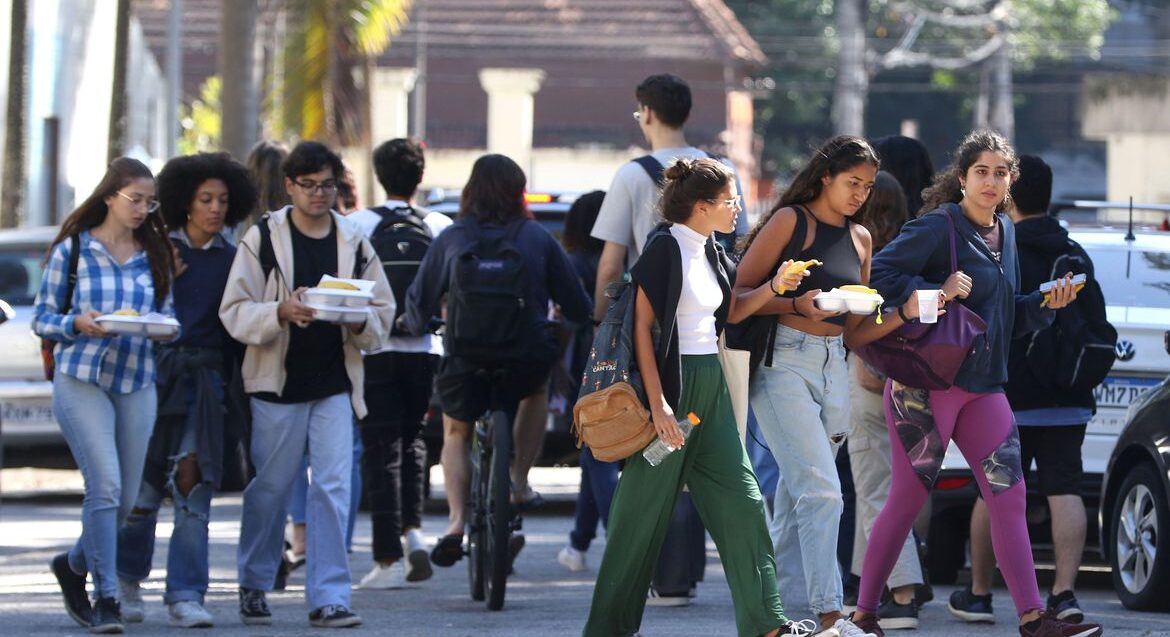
248,308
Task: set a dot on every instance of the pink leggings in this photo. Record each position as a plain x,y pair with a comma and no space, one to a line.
979,424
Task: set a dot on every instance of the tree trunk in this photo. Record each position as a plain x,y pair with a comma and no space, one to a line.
13,184
981,117
240,108
116,146
852,84
1003,117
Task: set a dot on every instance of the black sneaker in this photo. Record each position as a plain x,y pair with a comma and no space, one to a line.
850,589
254,607
334,616
970,607
1064,606
895,616
923,594
107,617
73,590
1049,626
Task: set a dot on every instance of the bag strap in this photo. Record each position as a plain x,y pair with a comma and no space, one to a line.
267,254
71,273
954,242
653,168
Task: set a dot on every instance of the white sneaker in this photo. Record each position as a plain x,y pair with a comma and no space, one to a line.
189,614
572,559
133,608
654,599
801,628
845,628
418,557
382,578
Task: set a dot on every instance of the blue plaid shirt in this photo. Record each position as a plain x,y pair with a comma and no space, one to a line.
119,364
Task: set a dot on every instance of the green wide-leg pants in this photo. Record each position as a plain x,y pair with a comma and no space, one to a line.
715,466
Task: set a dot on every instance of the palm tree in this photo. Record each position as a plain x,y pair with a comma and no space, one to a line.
237,68
330,44
118,95
10,199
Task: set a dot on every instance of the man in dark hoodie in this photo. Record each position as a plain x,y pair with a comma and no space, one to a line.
1051,421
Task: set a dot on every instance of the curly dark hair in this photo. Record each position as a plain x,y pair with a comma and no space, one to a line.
181,177
946,187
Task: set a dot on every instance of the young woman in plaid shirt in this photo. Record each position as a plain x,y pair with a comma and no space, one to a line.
103,388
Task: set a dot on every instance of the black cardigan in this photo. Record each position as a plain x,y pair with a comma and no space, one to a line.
658,272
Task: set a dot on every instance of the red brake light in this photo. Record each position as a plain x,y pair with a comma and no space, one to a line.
950,484
538,197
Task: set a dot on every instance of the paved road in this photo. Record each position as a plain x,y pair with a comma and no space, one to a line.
543,598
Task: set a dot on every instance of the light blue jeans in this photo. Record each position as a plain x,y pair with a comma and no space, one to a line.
300,491
187,553
802,408
108,434
280,435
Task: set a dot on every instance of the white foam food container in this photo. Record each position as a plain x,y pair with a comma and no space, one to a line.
339,313
333,297
152,324
838,300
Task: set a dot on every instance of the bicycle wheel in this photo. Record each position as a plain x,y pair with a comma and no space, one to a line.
498,521
477,508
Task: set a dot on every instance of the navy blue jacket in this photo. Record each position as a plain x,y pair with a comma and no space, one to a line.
919,258
550,273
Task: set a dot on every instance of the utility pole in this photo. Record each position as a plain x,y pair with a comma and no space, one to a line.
174,75
419,130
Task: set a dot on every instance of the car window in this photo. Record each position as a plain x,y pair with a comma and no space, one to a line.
20,274
1133,278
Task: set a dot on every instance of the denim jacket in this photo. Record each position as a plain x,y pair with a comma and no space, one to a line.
919,258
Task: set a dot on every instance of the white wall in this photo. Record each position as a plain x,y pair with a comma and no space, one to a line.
553,169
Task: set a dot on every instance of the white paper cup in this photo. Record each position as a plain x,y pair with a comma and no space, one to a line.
928,306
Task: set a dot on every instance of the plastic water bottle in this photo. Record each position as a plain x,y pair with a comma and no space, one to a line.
657,451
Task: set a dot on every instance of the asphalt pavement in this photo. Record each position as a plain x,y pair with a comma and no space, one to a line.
543,599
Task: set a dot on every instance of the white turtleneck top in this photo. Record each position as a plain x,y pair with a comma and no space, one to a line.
701,295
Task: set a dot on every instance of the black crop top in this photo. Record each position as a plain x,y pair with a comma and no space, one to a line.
834,247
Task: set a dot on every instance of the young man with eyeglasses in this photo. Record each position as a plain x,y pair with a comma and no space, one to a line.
305,380
628,214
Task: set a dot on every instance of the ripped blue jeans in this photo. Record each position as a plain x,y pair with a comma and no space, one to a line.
187,553
801,405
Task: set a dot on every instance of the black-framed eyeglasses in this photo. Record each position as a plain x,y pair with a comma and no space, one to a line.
149,203
732,203
313,186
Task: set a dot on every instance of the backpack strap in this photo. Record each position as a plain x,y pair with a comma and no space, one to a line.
267,255
71,273
653,168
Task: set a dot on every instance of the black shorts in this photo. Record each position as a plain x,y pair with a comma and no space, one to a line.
1057,451
465,393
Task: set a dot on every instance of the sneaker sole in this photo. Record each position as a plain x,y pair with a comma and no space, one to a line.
571,565
108,629
973,618
420,566
186,623
898,623
336,623
1071,615
1092,632
131,617
668,602
256,621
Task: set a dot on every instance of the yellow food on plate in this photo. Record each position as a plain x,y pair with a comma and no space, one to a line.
860,289
337,285
126,313
800,266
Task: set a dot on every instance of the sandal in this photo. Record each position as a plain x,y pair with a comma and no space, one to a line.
447,551
527,501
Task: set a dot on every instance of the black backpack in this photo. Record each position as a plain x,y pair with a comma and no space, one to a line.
401,240
489,319
1077,351
267,255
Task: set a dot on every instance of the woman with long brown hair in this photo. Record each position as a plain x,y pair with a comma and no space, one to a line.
104,385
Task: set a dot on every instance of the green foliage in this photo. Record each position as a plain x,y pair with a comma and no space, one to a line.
1058,29
202,120
327,43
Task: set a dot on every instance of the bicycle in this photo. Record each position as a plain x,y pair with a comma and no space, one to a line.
491,519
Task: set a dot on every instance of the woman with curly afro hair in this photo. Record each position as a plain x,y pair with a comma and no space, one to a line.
199,196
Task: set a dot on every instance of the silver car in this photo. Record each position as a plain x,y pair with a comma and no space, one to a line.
26,398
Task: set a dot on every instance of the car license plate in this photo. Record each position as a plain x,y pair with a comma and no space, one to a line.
1113,399
26,412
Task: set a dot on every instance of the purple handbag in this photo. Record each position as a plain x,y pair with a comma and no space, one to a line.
925,355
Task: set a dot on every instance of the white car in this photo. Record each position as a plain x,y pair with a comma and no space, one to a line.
26,398
1135,279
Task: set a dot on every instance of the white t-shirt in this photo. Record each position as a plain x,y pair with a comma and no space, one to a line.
630,209
701,295
368,220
